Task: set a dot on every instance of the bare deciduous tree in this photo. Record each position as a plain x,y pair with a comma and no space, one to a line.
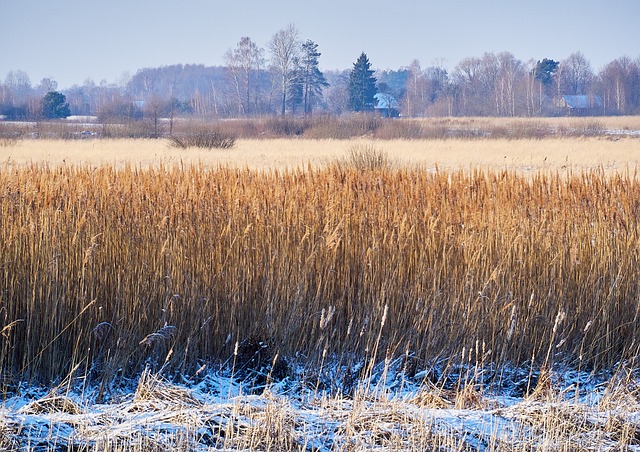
416,96
575,74
617,81
19,85
244,63
285,48
511,73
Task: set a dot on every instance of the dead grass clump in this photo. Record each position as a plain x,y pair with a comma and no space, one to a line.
367,157
362,124
622,392
6,142
8,435
204,139
468,398
560,424
403,129
285,126
164,334
52,404
154,394
587,128
434,397
348,126
543,390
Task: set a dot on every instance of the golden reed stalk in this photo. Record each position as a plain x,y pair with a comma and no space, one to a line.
226,254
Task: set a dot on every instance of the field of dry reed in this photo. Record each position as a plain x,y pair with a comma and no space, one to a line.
319,273
310,261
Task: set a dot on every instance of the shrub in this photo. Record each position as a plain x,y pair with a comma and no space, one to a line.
207,139
285,126
366,157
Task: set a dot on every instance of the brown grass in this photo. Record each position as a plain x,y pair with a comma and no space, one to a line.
342,127
432,262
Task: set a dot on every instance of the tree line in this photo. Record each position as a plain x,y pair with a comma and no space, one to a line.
284,78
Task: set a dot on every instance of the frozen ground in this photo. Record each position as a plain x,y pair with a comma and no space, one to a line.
388,410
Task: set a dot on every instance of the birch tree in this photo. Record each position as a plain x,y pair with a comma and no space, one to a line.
417,87
285,49
244,63
617,80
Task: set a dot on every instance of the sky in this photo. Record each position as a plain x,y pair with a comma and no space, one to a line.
71,41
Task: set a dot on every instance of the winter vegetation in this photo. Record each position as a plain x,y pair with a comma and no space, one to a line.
359,303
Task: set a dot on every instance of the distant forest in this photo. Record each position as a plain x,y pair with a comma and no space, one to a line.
284,79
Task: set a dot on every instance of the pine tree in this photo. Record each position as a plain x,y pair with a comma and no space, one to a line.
362,85
545,71
54,105
313,80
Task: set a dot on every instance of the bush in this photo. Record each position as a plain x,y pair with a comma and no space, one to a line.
207,139
366,157
285,126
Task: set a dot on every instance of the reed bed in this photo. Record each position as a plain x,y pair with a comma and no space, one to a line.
105,271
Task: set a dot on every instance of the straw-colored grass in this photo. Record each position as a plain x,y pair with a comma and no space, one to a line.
522,155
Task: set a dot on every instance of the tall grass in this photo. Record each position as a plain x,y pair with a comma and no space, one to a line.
312,264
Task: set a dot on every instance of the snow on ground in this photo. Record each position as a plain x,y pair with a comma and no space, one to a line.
564,411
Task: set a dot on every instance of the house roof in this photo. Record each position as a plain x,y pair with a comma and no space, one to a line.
385,101
581,101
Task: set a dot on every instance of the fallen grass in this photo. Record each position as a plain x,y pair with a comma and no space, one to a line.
159,415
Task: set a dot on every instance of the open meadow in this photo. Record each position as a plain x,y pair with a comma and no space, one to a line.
526,156
321,294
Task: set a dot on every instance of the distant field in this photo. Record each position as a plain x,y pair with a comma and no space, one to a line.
612,154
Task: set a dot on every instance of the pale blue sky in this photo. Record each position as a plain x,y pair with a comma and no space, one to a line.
72,40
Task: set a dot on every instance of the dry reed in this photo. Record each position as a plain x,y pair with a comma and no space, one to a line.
228,254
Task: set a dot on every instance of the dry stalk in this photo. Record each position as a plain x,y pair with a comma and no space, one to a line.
447,255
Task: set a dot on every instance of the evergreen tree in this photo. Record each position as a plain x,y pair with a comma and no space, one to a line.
54,105
545,71
312,79
362,85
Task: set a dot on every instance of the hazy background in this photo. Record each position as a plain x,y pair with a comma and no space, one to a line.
72,40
